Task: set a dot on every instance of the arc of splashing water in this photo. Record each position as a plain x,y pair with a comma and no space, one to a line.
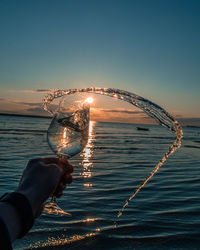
150,108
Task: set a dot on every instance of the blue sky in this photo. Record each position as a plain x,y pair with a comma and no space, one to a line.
147,47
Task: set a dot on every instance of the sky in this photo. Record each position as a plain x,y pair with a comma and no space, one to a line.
148,47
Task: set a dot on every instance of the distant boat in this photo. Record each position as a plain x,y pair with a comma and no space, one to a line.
140,128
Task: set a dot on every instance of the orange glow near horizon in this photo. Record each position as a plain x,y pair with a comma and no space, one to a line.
101,111
120,115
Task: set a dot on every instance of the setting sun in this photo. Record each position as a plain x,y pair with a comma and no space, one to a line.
89,100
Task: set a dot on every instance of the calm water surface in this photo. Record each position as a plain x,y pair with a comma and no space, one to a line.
164,215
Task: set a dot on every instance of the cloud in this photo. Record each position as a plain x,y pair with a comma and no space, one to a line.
19,106
122,111
33,90
23,107
37,110
118,111
20,102
37,90
120,115
27,103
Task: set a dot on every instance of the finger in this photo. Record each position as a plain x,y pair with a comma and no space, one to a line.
58,194
43,161
69,179
34,161
68,170
61,186
49,160
57,160
68,167
61,162
66,179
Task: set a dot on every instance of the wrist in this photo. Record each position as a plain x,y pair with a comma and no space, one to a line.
33,199
21,209
10,218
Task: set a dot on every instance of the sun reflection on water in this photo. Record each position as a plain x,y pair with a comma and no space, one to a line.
87,184
60,241
63,239
86,155
90,219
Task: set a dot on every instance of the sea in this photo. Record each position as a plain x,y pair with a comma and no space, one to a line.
165,214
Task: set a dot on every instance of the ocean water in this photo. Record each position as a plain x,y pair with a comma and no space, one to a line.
165,214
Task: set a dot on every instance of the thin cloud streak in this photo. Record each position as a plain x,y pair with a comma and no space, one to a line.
33,90
37,90
122,111
20,102
120,115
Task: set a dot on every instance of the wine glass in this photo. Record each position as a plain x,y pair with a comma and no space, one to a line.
67,135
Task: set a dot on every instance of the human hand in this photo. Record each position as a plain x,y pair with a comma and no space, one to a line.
44,177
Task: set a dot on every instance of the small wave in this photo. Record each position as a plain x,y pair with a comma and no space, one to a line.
190,146
13,131
197,141
116,148
113,239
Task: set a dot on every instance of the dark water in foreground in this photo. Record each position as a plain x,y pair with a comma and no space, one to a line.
164,215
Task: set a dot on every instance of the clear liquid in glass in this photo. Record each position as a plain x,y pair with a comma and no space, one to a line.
68,132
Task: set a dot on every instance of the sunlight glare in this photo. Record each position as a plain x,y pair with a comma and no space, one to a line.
89,100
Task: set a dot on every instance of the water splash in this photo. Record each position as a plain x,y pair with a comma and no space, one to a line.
150,108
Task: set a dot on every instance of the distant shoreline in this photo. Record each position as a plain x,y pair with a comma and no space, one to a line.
36,116
49,117
182,121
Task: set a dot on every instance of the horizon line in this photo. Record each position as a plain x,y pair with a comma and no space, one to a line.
48,117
